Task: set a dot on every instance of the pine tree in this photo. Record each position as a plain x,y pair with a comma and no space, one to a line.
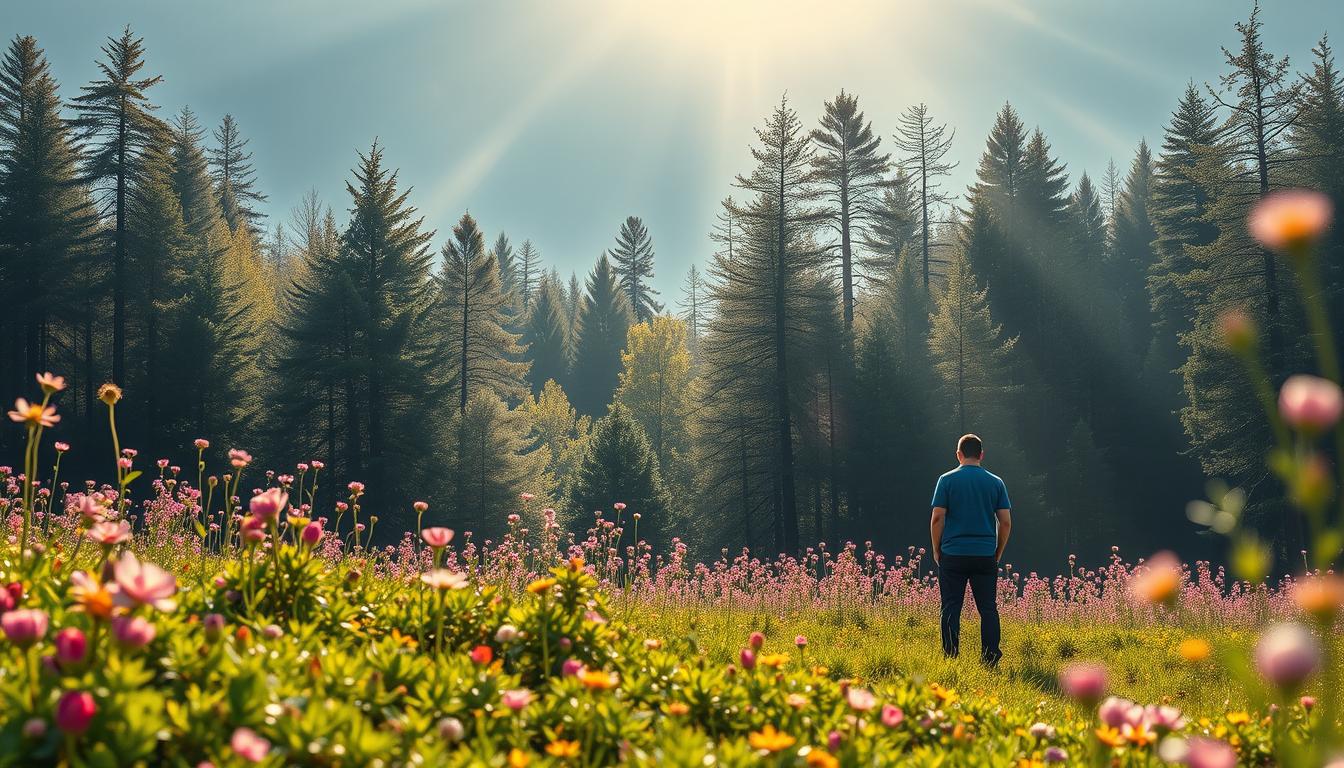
490,462
503,253
655,386
598,340
925,145
692,304
546,337
1132,255
1318,136
849,169
527,271
235,179
895,226
633,257
472,311
573,303
969,351
116,124
619,466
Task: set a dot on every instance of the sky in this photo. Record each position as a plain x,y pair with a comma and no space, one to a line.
553,120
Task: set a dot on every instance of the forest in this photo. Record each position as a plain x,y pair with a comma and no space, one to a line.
852,315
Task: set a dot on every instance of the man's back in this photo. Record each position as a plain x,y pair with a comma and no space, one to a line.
971,495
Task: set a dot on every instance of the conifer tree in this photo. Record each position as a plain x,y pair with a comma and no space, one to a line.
573,303
546,337
655,386
558,429
619,466
490,463
1318,136
633,260
694,295
116,125
527,271
1131,254
472,311
503,253
598,340
849,168
925,144
235,179
895,226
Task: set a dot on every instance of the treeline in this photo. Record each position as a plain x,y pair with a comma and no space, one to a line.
855,317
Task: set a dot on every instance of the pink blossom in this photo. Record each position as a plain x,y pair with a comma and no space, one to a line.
748,658
24,626
1287,654
860,699
249,746
1116,712
201,444
74,711
71,646
437,536
571,667
61,447
143,583
312,533
1209,753
1290,219
268,504
444,579
892,716
1163,717
109,534
516,699
132,632
1084,681
1310,403
800,641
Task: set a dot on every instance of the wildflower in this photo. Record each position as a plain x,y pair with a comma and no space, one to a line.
61,447
516,699
1115,712
1308,403
800,641
71,646
437,537
860,699
109,393
356,489
132,632
518,758
1239,717
1194,649
1320,597
1138,734
833,740
1056,755
770,740
748,659
249,746
267,505
597,680
1287,655
1084,681
201,444
451,729
618,506
1209,753
526,497
1307,702
143,583
213,624
239,458
506,633
892,715
678,708
442,578
1164,718
74,711
819,758
1159,583
50,382
562,748
796,700
1110,736
576,564
312,533
1290,220
1042,731
34,728
756,640
482,654
24,626
109,534
774,660
90,595
540,585
571,668
35,414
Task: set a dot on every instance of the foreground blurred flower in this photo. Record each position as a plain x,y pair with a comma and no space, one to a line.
562,748
50,382
516,699
451,729
1158,581
267,504
312,533
1290,220
90,596
1320,597
482,654
143,583
74,711
770,740
1309,403
1116,712
35,414
1287,655
25,626
540,585
132,632
437,537
892,716
1209,753
1194,649
442,578
249,746
109,534
1084,681
71,646
860,699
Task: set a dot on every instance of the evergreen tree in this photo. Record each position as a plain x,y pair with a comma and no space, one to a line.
1132,254
633,257
558,429
598,340
1318,136
849,169
235,178
490,463
655,386
546,337
925,145
527,271
573,303
115,121
692,304
479,352
895,226
503,253
619,466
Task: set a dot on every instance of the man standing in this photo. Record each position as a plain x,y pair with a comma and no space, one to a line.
970,526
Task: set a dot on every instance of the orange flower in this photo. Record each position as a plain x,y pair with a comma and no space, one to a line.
820,758
109,393
1111,737
35,414
1160,581
597,680
1320,597
1139,735
1290,220
518,758
770,740
400,639
90,596
562,748
773,660
540,585
1238,718
677,708
1194,649
576,563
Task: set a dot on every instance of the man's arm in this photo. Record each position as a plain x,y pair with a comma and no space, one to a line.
936,531
1005,527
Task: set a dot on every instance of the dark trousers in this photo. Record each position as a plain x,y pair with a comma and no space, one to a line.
954,573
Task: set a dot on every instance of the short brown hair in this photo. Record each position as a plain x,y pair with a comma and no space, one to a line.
970,446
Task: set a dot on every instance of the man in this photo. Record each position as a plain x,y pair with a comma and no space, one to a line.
970,526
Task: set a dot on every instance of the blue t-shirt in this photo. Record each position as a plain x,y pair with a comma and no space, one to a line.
971,495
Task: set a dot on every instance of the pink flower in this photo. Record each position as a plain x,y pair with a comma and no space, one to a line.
356,488
239,458
860,699
1308,702
516,699
61,447
74,711
213,624
312,533
253,529
437,537
34,413
143,583
1209,753
24,626
1287,655
1166,718
618,506
201,443
71,646
571,667
420,506
91,507
748,658
1115,712
267,504
756,640
109,534
1055,755
1291,219
249,746
444,579
892,716
132,632
526,497
800,641
1084,681
1310,403
1042,731
50,382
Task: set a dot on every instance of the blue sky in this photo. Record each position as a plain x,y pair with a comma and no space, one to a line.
555,119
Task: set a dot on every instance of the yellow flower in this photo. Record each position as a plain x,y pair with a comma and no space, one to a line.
540,585
562,748
400,639
677,708
90,596
1111,737
597,680
518,758
109,393
770,740
773,660
1238,717
1194,649
820,758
